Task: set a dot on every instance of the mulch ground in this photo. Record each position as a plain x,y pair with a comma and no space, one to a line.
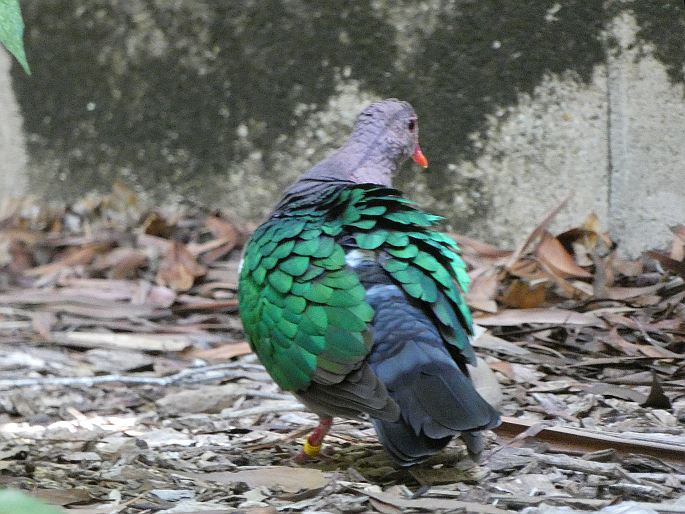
126,385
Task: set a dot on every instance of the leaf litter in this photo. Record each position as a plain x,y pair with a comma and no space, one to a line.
126,384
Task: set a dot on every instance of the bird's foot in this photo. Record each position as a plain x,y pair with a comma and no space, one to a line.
313,443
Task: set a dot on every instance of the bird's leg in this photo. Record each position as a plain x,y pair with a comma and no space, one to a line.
312,445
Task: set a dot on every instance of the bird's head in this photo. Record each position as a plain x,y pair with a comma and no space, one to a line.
391,126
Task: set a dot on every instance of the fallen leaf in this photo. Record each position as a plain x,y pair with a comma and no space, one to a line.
121,262
520,295
145,342
579,440
503,367
289,479
179,269
75,257
485,382
431,504
537,232
614,391
157,225
624,293
483,287
657,399
552,254
208,399
677,267
220,353
551,316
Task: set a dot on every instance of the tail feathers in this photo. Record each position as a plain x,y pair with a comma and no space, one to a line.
434,409
403,445
445,402
436,398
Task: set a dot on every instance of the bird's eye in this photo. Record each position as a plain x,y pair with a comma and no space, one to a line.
411,125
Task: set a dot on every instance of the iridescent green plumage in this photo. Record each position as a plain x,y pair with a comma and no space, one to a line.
304,310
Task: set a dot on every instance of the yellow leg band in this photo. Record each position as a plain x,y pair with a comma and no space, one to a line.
310,450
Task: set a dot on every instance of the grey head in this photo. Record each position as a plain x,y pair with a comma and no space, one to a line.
385,134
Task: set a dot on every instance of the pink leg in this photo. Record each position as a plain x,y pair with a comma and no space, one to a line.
312,446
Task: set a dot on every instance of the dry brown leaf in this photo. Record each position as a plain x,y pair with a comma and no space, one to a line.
288,479
528,269
62,497
156,225
537,232
484,286
552,254
122,262
74,257
624,293
614,340
677,267
579,440
179,269
482,291
477,253
678,231
145,342
628,268
432,504
220,353
153,242
503,367
520,295
476,304
678,243
551,316
222,229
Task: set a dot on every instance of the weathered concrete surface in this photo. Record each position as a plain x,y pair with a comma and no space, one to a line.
225,103
647,144
12,152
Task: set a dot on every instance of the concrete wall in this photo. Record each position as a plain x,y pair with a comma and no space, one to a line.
224,103
12,151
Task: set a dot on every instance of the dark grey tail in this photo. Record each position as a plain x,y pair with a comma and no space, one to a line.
436,398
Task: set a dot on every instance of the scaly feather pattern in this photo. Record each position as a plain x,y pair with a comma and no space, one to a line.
305,310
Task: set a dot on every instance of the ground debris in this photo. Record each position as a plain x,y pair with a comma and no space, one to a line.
126,384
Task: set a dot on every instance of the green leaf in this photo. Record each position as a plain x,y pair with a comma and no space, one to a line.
12,31
15,502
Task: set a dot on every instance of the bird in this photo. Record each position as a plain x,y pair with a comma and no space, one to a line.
354,301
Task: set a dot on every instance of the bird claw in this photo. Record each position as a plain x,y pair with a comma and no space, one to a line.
302,458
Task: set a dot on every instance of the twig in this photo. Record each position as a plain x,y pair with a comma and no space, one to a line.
520,250
606,469
192,375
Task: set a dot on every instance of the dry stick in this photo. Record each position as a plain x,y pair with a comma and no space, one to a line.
206,374
520,250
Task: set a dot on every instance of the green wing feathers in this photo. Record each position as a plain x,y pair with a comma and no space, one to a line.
300,307
304,310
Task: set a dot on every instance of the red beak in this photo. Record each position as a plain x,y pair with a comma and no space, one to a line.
419,158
